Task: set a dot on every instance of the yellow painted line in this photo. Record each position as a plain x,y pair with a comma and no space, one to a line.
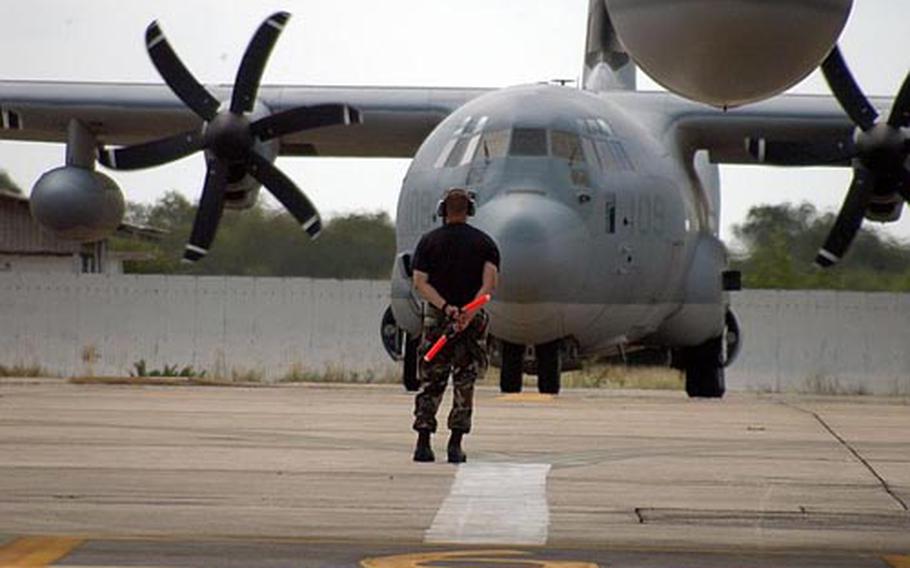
526,397
510,557
898,561
36,551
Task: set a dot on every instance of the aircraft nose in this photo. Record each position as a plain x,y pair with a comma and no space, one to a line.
543,244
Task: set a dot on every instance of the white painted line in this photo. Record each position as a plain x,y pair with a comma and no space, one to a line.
494,503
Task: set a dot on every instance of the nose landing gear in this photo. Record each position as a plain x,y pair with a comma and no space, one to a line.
548,363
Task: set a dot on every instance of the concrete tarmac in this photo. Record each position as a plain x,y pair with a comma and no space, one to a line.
322,476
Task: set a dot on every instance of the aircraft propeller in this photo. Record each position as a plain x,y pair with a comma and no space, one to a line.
228,136
878,151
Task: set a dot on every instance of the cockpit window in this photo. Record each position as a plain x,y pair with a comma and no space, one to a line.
471,126
458,152
594,145
596,127
493,144
528,142
461,148
613,155
567,145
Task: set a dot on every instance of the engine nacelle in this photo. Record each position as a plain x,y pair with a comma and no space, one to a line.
77,204
728,52
243,190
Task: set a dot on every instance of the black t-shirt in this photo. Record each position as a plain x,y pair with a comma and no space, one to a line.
454,256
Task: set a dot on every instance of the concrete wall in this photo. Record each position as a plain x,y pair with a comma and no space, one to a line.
819,341
38,263
103,324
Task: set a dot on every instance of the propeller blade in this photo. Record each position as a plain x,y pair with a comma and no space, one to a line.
801,153
848,222
847,91
304,118
176,75
152,153
208,215
254,60
287,193
900,112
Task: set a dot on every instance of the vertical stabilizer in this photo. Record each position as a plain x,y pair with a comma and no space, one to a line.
607,65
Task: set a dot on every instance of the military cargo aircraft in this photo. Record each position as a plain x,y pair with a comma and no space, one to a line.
604,200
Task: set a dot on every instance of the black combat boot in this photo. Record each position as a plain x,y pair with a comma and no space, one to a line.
424,451
456,454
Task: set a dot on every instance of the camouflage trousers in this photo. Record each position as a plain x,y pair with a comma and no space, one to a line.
464,358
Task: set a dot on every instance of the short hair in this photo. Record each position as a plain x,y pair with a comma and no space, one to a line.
457,202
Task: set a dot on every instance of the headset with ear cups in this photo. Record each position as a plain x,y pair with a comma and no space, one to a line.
441,206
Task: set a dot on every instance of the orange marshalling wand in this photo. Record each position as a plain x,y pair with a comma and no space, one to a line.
452,330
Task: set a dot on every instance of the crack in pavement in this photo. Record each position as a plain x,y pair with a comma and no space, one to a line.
843,442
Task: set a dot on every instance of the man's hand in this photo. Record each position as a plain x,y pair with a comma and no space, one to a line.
452,312
464,319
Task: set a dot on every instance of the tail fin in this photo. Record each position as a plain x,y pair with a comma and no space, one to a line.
607,65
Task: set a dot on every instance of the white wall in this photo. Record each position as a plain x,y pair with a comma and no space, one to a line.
820,341
43,264
103,324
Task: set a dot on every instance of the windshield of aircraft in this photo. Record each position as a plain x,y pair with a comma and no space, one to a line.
593,144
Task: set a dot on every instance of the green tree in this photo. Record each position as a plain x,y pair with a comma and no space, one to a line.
264,242
781,242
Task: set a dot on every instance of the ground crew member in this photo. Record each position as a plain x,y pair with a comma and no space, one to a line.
453,265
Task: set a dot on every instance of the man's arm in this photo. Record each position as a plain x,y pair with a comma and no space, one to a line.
490,279
430,294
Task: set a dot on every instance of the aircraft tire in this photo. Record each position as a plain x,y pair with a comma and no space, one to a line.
409,365
705,370
512,367
548,368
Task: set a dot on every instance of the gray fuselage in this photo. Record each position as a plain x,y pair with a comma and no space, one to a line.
607,232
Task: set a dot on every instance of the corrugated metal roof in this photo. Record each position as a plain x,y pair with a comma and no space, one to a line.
20,233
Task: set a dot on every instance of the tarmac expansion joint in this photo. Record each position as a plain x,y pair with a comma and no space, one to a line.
859,457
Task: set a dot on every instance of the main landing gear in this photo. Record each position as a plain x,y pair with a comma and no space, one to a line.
548,367
704,364
704,368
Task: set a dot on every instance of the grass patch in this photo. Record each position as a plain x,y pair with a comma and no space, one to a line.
141,369
24,371
609,377
159,382
829,386
622,377
333,374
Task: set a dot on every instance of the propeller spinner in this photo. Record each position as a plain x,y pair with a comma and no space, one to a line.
878,151
227,136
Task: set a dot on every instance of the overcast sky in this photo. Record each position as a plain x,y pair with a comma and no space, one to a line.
471,43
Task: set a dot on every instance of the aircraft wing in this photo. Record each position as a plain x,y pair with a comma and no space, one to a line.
395,120
794,119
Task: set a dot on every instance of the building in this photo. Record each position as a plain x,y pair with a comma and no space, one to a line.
26,247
